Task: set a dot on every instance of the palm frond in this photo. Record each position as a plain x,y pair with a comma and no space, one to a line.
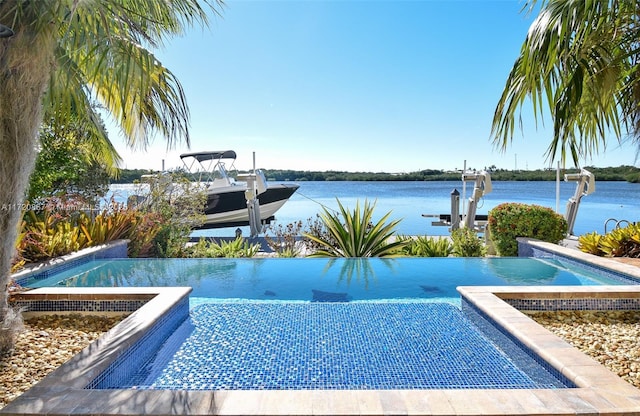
110,42
577,63
67,100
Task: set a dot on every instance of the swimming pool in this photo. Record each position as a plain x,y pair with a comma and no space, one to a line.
337,280
106,378
329,323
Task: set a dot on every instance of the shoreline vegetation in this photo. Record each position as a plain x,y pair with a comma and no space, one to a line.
621,173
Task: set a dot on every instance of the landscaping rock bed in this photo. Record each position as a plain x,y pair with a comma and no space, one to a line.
46,343
612,338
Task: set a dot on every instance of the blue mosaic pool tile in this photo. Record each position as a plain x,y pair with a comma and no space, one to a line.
135,357
115,251
112,305
578,304
328,346
543,373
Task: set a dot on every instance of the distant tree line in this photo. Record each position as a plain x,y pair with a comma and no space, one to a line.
621,173
132,175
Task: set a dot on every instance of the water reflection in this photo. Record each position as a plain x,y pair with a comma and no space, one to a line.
322,279
156,272
360,269
512,272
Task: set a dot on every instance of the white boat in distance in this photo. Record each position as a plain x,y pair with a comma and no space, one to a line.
227,198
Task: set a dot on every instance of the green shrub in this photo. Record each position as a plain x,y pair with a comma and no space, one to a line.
112,224
178,204
159,227
509,221
423,246
143,233
201,249
47,234
466,243
622,242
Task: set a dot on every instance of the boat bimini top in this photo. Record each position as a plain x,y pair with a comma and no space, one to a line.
209,166
204,156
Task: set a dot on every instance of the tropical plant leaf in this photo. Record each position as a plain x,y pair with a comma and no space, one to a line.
354,234
578,64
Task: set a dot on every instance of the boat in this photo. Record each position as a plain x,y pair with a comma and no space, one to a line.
232,202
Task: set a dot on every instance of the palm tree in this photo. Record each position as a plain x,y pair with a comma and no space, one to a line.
579,63
63,55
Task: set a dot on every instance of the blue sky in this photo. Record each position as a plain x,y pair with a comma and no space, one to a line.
392,86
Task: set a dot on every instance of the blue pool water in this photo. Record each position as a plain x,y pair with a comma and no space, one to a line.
330,323
367,345
324,279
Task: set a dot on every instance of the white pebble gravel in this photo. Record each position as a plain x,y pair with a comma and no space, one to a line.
46,343
612,338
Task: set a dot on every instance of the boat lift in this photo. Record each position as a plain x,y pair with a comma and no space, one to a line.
585,185
455,220
481,187
256,185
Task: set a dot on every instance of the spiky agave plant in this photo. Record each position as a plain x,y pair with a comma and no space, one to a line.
357,236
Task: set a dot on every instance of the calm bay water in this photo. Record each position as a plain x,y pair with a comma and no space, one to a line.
409,200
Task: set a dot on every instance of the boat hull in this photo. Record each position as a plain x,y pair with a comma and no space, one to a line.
227,207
